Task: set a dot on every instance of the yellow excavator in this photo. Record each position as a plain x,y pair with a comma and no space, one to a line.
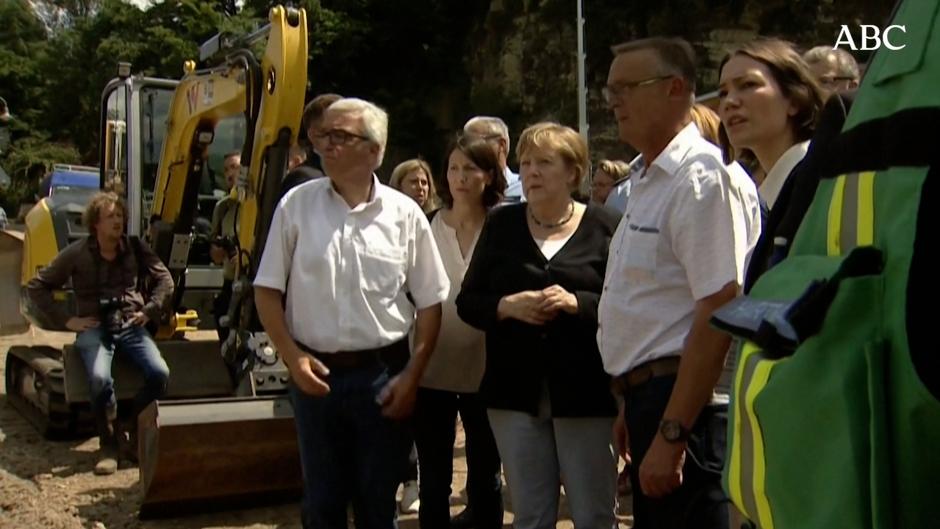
224,433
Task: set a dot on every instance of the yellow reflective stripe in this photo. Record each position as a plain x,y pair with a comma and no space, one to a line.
833,247
761,375
866,209
734,469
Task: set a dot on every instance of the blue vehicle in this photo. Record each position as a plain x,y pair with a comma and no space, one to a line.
71,184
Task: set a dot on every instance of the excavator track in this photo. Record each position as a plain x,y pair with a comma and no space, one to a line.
35,386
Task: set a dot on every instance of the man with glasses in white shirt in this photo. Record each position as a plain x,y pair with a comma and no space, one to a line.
677,255
343,253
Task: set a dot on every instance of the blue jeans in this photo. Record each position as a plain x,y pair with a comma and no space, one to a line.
349,451
97,347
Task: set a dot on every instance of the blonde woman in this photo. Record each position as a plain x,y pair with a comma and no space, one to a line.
413,178
533,287
609,173
707,122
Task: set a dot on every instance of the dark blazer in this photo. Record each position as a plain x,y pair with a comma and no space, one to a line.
298,175
520,357
798,190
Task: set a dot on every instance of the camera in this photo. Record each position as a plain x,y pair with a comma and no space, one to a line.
112,316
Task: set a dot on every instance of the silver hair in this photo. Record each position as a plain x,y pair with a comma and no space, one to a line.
492,124
374,120
845,62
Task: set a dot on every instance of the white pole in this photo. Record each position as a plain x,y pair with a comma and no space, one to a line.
582,90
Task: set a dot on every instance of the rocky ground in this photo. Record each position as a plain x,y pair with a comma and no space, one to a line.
50,484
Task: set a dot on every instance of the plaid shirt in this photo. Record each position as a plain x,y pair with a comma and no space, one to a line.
94,278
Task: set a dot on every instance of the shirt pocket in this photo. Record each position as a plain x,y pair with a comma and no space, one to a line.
640,254
383,269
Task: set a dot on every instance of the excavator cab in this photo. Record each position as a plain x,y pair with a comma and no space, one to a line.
134,119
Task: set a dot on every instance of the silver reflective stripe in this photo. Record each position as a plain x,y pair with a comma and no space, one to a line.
848,231
746,441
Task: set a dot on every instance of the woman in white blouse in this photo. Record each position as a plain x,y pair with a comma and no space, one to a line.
769,104
474,184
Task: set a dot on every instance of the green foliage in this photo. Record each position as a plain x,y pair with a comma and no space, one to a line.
29,159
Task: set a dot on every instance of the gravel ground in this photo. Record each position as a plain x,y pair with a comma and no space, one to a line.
46,484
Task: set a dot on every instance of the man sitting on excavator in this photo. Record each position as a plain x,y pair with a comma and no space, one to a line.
108,272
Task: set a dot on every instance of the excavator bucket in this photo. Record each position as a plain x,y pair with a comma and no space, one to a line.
11,263
215,454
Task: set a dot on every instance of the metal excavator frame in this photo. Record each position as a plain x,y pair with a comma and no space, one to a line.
225,451
224,435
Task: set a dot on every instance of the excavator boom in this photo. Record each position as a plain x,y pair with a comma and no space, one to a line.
216,453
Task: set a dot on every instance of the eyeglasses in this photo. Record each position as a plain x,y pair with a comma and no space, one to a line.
613,93
340,136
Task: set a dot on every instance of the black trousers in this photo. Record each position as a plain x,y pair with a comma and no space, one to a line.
435,430
699,502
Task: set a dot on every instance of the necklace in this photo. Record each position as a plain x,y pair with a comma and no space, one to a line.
551,225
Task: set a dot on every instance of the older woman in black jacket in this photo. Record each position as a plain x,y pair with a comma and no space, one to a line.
533,286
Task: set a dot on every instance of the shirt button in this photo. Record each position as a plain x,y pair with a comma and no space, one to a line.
547,266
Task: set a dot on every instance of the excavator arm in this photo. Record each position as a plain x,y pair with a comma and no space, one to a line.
180,440
270,95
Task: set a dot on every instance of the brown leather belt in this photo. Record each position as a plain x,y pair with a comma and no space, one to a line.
394,354
647,371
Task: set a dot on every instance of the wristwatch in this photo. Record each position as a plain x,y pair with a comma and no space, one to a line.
673,431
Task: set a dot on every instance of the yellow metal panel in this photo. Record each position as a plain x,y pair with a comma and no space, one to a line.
39,242
284,70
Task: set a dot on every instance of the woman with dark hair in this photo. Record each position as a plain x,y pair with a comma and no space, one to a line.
533,287
769,105
473,184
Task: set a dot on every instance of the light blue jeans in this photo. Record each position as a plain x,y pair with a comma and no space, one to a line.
97,347
541,453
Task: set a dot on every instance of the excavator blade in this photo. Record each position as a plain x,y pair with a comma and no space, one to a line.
215,454
11,263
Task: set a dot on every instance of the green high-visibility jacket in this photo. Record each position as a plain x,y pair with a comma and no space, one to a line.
835,422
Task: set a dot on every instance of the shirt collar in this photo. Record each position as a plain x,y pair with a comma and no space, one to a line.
375,198
122,243
672,156
770,188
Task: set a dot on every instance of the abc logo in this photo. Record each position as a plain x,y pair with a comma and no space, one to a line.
872,38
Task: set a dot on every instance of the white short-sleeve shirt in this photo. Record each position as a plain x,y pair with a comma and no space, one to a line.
690,225
347,271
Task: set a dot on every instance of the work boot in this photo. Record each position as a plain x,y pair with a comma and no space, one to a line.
107,441
410,503
107,462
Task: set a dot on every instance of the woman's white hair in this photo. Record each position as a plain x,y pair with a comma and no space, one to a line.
374,120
